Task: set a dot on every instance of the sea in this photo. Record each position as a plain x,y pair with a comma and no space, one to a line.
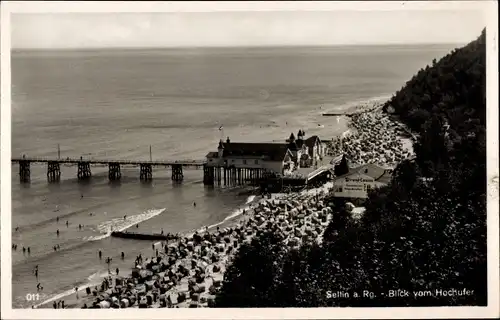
178,103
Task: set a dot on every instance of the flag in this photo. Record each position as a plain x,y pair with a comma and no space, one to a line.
220,128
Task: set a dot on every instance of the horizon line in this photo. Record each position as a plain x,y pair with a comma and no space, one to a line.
235,47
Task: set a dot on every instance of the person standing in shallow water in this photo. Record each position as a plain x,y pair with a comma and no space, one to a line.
57,232
100,254
67,223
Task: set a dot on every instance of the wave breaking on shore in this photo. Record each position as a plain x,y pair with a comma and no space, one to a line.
121,224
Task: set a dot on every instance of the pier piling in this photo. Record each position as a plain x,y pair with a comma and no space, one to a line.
146,173
208,175
177,174
84,170
230,176
114,171
235,176
53,171
24,171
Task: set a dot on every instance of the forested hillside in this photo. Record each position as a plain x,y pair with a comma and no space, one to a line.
424,232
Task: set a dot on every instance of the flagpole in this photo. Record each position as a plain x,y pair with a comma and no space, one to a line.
221,129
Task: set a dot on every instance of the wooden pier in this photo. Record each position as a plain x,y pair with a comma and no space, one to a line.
84,171
228,176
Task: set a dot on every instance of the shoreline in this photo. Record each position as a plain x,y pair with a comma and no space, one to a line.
355,110
375,137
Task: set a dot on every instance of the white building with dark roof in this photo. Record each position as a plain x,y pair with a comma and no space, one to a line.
360,180
244,161
271,157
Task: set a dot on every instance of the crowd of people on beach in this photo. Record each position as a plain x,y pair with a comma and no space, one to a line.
189,271
373,137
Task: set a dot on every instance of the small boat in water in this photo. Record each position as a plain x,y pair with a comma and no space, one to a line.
143,236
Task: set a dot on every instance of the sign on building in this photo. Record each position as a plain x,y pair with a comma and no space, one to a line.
354,186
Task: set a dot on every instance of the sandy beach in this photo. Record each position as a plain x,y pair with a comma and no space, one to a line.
373,137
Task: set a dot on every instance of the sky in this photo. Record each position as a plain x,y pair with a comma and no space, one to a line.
223,29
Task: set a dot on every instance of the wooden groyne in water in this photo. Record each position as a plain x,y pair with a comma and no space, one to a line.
143,236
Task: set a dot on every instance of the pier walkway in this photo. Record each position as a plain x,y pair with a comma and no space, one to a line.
84,171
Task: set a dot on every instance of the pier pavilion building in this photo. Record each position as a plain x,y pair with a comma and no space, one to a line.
237,163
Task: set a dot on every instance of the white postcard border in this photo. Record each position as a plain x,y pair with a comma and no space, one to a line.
491,12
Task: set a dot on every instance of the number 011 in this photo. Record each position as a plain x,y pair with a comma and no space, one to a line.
32,297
